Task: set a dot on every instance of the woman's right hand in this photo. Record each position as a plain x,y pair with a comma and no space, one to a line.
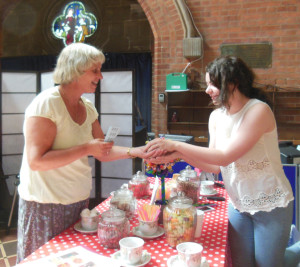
99,148
164,158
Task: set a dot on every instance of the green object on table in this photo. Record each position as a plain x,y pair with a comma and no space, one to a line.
163,190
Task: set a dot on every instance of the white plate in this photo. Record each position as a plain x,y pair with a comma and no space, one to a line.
78,227
213,193
146,257
174,262
160,231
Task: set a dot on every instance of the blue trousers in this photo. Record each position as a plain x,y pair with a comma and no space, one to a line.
259,240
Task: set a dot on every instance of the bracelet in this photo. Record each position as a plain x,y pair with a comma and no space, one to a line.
129,154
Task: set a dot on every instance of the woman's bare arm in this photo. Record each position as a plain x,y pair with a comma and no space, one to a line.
39,137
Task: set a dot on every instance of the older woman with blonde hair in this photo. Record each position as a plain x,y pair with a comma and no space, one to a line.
61,130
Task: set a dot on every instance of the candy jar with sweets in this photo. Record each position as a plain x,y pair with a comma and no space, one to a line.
112,227
189,183
180,219
123,199
139,185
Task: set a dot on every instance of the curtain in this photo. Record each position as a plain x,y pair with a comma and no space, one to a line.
141,63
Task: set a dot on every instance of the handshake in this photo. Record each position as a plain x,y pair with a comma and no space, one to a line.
160,150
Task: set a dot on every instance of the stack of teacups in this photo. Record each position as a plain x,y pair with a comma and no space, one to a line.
200,218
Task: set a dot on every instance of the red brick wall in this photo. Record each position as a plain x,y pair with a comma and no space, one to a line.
220,22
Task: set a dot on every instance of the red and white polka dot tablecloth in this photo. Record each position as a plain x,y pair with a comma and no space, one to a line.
213,238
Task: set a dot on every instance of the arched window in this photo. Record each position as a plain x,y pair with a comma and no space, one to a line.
75,24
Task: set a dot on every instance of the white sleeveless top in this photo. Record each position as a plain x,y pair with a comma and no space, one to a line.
256,181
70,183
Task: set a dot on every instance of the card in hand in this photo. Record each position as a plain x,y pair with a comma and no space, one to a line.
111,133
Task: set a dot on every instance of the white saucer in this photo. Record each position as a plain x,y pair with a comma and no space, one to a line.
146,257
213,193
174,262
160,231
78,227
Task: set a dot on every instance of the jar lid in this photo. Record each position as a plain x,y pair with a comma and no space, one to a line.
113,215
181,201
139,177
123,192
187,173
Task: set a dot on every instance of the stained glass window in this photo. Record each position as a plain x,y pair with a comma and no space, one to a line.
75,24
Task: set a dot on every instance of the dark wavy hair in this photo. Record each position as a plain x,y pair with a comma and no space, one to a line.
227,70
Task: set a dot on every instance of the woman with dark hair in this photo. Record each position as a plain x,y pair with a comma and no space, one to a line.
244,147
232,70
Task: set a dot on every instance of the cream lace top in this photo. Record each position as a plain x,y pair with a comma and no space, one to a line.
256,181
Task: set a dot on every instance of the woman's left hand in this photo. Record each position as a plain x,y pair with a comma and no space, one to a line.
161,145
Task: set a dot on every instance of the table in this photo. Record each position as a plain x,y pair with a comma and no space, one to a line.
213,238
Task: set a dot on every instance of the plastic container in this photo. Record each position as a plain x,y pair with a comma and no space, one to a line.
176,82
112,227
139,185
123,199
180,220
189,183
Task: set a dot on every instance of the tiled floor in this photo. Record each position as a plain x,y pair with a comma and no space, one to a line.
8,245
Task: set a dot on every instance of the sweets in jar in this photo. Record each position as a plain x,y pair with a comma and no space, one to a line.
190,188
139,185
179,220
112,227
189,183
123,199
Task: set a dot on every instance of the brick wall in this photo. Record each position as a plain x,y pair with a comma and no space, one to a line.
221,22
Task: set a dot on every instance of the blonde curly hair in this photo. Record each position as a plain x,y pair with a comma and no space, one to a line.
74,59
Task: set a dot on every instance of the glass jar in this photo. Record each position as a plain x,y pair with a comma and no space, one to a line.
112,227
123,199
189,183
139,185
180,219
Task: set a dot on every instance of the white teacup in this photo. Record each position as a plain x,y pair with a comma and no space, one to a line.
207,187
148,228
131,249
190,254
89,223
